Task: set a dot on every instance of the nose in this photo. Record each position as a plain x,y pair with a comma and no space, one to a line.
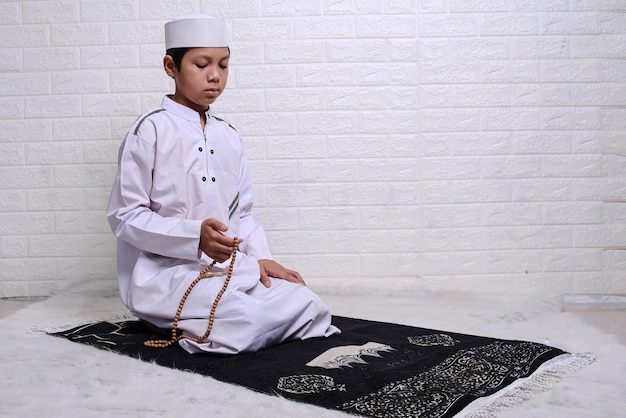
213,73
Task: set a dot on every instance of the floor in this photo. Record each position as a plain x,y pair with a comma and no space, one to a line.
11,305
608,317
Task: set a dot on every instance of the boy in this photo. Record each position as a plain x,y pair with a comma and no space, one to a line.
181,194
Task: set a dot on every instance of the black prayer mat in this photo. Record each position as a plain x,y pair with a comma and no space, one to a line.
373,369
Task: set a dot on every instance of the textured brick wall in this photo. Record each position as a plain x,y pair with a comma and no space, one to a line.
440,144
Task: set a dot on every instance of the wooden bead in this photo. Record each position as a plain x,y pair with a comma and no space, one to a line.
204,274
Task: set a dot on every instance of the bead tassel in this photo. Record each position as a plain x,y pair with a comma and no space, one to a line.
204,274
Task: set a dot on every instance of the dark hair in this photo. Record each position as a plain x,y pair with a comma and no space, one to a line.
177,55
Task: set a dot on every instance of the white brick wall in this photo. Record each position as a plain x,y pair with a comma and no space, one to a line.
440,144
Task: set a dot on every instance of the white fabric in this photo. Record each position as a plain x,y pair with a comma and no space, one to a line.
171,176
195,31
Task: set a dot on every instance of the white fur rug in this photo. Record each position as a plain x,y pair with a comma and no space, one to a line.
44,376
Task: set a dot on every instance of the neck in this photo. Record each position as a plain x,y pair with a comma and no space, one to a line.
202,119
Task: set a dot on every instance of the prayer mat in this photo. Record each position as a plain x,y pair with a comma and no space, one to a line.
372,369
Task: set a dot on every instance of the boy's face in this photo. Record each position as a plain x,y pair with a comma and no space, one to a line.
202,76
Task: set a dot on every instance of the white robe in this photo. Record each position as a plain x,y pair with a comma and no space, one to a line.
171,176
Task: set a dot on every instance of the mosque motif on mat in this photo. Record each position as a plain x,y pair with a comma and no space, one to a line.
474,371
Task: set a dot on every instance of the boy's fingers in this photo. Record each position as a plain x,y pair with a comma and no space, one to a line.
265,280
217,225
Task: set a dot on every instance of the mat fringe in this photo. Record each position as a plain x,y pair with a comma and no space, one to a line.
50,329
543,380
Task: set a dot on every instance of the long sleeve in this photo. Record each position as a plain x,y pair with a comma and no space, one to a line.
130,211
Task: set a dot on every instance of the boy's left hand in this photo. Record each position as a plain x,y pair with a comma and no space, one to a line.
273,269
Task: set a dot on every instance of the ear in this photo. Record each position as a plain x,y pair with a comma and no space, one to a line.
169,66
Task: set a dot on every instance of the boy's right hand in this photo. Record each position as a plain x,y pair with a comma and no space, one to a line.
213,242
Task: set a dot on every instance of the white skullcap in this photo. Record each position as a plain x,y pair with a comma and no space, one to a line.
196,31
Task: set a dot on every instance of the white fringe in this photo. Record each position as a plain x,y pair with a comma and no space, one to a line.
542,380
50,329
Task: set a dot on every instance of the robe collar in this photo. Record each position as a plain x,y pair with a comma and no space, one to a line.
184,111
